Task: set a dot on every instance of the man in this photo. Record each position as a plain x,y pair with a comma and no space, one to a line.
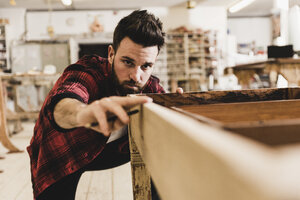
92,90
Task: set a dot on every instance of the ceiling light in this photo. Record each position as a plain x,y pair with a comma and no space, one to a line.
190,4
67,2
12,2
240,5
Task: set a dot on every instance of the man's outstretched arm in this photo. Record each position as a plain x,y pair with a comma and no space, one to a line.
71,113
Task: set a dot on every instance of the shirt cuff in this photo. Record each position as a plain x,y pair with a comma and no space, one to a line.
54,101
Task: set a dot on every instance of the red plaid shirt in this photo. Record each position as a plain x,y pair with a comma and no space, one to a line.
56,152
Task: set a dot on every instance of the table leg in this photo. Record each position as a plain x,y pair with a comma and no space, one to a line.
141,184
291,74
4,139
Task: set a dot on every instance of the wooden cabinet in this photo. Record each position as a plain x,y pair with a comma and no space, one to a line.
233,145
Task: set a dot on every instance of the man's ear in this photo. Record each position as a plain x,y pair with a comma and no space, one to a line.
111,54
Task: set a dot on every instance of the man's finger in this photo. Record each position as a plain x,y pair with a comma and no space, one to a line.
101,117
116,124
132,101
116,109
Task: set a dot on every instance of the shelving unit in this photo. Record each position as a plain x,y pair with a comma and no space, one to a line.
160,68
3,48
177,60
191,57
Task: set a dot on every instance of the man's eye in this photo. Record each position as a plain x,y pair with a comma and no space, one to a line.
145,67
127,62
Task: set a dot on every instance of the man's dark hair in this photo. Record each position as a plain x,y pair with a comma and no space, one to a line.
141,27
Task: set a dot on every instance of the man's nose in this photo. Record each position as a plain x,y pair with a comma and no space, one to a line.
136,74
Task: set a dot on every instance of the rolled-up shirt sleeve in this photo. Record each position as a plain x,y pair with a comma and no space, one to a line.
76,82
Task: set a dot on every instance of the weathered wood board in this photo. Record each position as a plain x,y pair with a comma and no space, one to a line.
221,145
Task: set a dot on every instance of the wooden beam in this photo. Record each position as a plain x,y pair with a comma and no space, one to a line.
188,159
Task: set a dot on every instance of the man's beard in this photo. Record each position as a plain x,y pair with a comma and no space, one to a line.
122,88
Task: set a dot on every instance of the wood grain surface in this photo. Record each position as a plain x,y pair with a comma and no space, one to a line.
212,97
248,111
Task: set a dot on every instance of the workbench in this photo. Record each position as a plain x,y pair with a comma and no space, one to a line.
229,145
38,80
289,68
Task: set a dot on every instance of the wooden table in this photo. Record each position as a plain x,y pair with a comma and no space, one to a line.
218,145
15,80
289,68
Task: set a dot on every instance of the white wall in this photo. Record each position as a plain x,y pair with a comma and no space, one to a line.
37,22
16,26
204,17
77,22
70,22
294,27
209,18
247,30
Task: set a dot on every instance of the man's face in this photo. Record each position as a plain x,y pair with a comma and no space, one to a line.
132,65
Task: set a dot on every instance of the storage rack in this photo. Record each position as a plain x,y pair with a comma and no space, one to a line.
160,68
177,60
3,48
191,58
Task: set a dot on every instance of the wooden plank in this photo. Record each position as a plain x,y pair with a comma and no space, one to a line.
22,115
271,132
272,123
274,133
294,93
3,129
212,97
14,188
119,186
191,160
100,185
121,181
288,61
16,178
249,111
83,186
26,192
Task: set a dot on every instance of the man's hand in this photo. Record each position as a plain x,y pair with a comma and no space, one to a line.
98,111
